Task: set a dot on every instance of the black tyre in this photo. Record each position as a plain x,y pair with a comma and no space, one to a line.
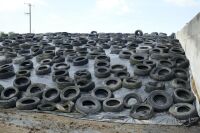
101,93
183,111
51,95
63,82
122,74
80,61
132,83
82,74
117,67
26,65
113,83
27,103
5,74
59,73
183,96
25,73
142,70
102,58
9,93
70,93
113,105
160,100
10,103
181,73
125,54
162,73
101,64
43,70
88,105
85,85
35,90
102,72
151,86
22,83
46,107
180,83
128,99
137,58
142,111
61,66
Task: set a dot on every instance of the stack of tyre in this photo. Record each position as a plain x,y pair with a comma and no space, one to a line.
156,57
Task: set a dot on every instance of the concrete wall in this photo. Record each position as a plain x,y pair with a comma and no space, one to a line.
189,36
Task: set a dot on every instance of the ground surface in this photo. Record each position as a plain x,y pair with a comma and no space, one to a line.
25,122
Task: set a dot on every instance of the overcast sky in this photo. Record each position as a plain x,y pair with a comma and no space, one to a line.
100,15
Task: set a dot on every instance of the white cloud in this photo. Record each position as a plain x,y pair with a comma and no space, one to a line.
117,6
13,5
184,3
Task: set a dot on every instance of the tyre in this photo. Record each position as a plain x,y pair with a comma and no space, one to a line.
25,73
142,70
143,49
43,70
7,67
183,96
166,63
27,103
122,74
88,105
46,107
82,74
150,63
180,83
59,66
59,73
160,100
131,83
102,58
26,65
80,61
101,93
10,103
151,86
138,33
9,93
35,90
47,62
51,95
85,85
5,74
101,64
125,54
22,83
183,111
102,72
162,73
118,67
181,73
58,59
128,99
137,58
113,105
113,83
142,111
70,93
63,82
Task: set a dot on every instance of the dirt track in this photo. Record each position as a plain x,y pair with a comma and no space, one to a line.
22,122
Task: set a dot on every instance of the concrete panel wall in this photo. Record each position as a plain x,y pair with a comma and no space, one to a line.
189,36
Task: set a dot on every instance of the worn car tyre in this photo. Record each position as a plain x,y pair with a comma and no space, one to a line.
151,86
35,90
85,85
131,83
51,95
21,73
113,83
21,83
5,74
160,100
9,93
122,74
137,58
88,105
180,83
70,93
128,98
102,72
125,54
113,105
26,65
162,73
46,107
102,58
59,66
101,93
117,67
183,111
142,70
27,103
80,61
10,103
181,73
101,64
43,70
59,73
82,74
183,96
63,82
142,111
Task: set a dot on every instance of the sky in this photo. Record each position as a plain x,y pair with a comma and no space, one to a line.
101,15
